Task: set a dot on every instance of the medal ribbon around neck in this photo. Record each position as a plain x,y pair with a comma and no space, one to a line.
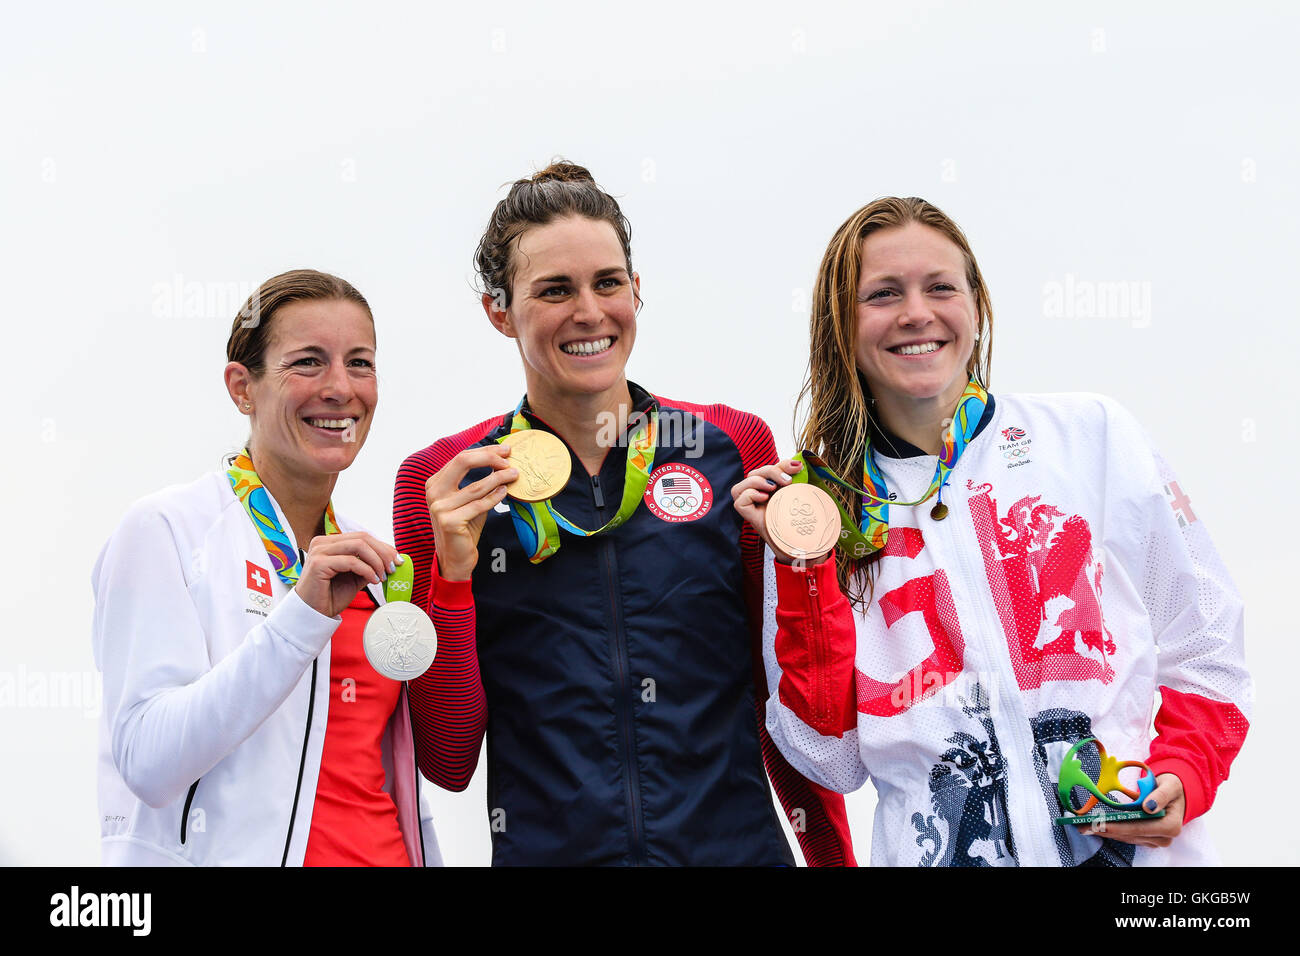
538,523
257,503
860,538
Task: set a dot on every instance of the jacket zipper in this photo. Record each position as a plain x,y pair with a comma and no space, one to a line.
185,814
632,777
820,706
302,762
1022,783
311,706
632,780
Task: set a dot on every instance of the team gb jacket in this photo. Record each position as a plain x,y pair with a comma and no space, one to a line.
1070,587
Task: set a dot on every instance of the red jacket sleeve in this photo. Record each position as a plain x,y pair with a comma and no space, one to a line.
817,815
448,707
1197,739
816,642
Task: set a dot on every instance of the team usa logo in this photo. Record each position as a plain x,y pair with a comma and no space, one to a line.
678,493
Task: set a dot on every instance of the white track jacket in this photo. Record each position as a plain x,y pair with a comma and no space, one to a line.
216,695
1070,587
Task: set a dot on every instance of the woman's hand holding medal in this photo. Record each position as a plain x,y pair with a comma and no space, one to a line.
457,514
339,565
751,495
798,521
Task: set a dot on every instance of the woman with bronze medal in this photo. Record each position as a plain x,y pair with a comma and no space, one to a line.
1004,574
254,642
596,609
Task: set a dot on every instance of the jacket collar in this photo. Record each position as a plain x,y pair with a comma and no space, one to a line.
888,445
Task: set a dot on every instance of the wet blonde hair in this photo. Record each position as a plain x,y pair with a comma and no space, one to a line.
837,395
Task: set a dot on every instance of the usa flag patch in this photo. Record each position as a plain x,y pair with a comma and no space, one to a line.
678,493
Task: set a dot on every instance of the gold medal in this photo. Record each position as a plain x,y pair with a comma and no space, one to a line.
939,511
802,522
543,463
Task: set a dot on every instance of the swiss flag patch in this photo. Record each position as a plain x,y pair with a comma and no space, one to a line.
259,579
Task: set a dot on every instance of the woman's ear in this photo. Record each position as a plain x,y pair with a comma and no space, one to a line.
494,304
238,383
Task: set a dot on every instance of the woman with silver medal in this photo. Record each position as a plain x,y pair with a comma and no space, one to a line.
244,723
988,581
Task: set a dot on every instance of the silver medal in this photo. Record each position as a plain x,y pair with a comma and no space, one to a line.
400,640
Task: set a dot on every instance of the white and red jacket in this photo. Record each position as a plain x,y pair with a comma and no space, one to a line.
1070,587
216,693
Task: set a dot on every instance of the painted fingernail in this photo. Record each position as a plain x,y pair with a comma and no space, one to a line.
401,559
786,478
1151,805
770,482
392,567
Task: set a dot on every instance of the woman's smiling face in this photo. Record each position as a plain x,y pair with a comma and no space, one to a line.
314,400
917,316
573,307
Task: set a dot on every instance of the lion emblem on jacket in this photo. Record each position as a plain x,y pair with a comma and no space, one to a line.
968,793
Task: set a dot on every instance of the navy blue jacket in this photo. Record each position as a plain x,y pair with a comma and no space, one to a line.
619,673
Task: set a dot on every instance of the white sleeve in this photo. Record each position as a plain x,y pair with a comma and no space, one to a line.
827,754
1196,617
172,714
1195,610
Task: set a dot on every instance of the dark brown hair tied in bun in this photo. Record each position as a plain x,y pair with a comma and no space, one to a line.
560,190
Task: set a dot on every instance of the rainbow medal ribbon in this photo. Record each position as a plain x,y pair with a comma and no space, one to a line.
257,504
869,534
400,640
538,524
403,635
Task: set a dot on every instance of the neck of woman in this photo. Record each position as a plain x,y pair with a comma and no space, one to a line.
590,423
921,422
302,498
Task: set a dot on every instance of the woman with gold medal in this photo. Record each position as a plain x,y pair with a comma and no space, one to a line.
597,609
237,619
1006,571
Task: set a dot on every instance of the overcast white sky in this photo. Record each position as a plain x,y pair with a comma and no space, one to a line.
151,147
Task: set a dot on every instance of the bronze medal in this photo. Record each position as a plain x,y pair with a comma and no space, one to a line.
543,463
803,523
939,511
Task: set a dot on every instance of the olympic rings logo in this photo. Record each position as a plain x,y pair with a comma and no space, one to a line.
1015,453
679,504
399,585
261,600
677,492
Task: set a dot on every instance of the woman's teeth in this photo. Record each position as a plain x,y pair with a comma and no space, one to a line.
916,349
335,423
588,348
